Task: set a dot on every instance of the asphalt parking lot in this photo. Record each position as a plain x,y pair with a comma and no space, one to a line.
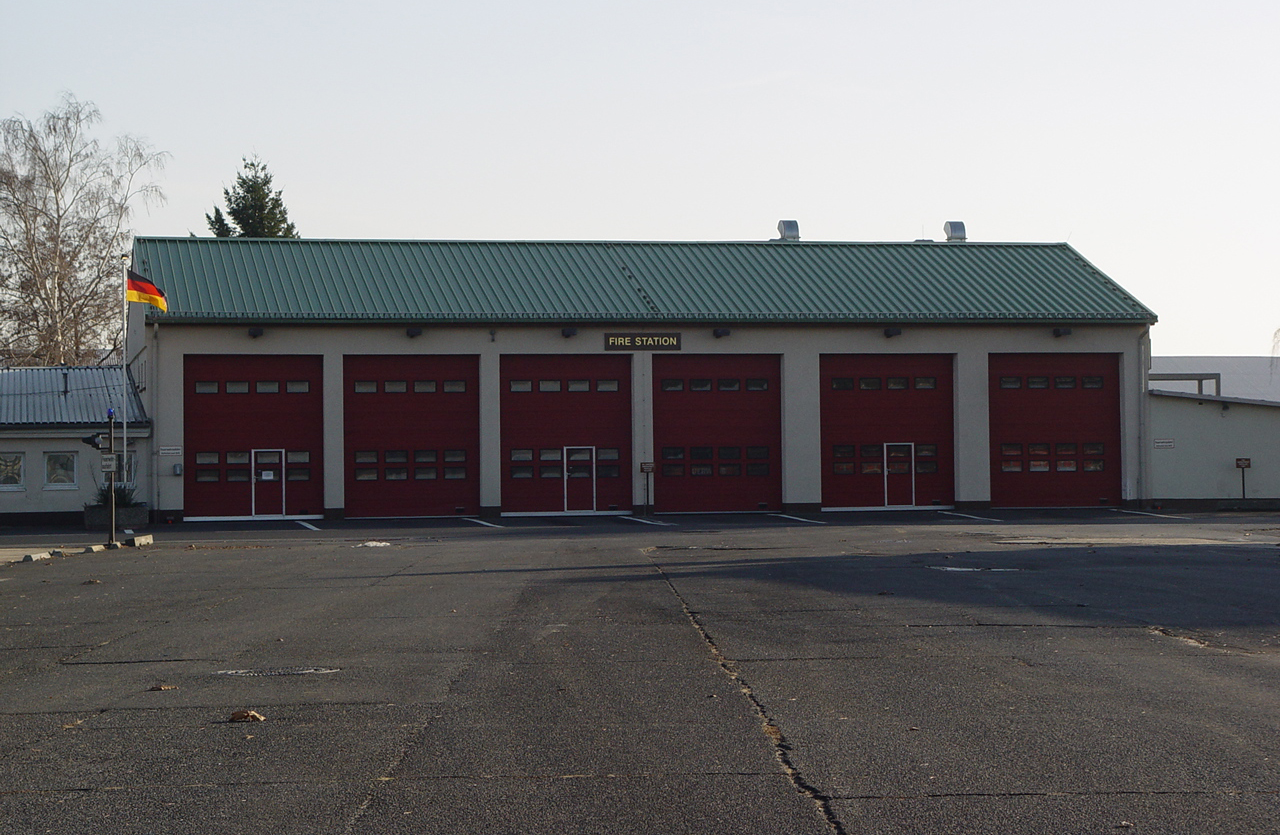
1081,671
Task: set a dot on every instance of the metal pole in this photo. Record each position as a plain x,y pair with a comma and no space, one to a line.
124,365
111,483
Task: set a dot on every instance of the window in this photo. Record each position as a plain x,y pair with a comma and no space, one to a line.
548,385
1064,449
871,468
237,387
700,385
1093,466
701,453
1064,382
579,385
673,470
396,473
237,458
206,475
267,387
521,455
11,475
369,456
1091,382
297,386
298,474
926,466
728,385
757,385
522,472
396,456
1039,467
366,386
845,468
757,469
1011,449
1066,466
550,454
549,472
1010,382
424,473
300,457
455,455
207,458
395,386
60,470
424,456
899,468
1010,466
869,383
608,470
579,454
521,385
926,450
268,457
579,471
424,386
207,387
1037,382
842,384
896,383
845,451
607,454
673,385
606,385
926,382
730,469
1038,449
1094,449
872,451
242,475
366,474
730,453
672,453
700,469
455,386
757,452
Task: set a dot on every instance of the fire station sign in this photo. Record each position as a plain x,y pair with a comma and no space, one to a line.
642,342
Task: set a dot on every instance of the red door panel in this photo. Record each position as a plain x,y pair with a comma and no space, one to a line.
566,433
871,402
1055,430
412,435
717,426
235,404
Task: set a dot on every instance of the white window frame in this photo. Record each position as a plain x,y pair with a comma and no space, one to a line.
75,470
22,472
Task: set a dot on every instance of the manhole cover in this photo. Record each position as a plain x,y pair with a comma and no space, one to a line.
279,671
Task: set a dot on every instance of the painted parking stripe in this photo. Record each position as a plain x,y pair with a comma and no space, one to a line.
1144,513
482,522
967,516
648,521
308,526
796,518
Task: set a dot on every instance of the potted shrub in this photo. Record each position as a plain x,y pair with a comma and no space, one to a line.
130,513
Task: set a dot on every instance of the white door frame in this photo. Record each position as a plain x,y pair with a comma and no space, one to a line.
565,478
253,482
911,464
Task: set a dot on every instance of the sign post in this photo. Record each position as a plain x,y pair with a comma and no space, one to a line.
646,467
1243,464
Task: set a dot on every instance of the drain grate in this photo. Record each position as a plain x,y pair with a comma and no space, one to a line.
279,671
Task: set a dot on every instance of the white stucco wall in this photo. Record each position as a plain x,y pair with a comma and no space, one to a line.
1194,444
798,347
35,495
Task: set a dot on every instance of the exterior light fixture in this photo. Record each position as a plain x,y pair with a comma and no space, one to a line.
720,332
568,332
890,333
412,332
1061,332
254,333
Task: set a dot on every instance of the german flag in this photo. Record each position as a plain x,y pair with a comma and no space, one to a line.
138,289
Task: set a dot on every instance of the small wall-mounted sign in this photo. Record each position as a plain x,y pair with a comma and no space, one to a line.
1164,443
642,342
109,462
1244,463
646,466
170,450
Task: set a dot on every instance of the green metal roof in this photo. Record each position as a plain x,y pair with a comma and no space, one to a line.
243,279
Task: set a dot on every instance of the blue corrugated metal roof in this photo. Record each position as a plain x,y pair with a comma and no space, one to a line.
64,396
242,279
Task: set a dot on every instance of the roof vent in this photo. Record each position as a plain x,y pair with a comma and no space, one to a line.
789,230
954,230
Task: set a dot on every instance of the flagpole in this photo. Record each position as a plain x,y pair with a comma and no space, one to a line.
124,367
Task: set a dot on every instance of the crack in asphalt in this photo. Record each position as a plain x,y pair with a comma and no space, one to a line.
781,748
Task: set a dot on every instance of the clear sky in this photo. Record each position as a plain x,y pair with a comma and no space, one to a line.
1145,134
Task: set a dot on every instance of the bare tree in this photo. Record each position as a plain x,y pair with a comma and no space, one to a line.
64,207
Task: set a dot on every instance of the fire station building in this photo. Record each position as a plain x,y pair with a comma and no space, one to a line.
370,379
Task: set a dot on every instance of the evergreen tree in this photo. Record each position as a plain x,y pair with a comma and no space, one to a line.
253,209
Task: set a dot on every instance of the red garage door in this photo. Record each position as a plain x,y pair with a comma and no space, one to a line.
887,430
1055,430
412,435
253,436
717,427
566,434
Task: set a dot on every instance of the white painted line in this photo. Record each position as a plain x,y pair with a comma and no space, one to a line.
481,522
649,521
797,518
967,516
1143,513
308,526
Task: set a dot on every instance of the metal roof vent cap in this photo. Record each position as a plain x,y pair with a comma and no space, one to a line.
954,230
789,230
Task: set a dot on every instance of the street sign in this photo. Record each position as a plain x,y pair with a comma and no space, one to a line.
1244,463
646,466
109,463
